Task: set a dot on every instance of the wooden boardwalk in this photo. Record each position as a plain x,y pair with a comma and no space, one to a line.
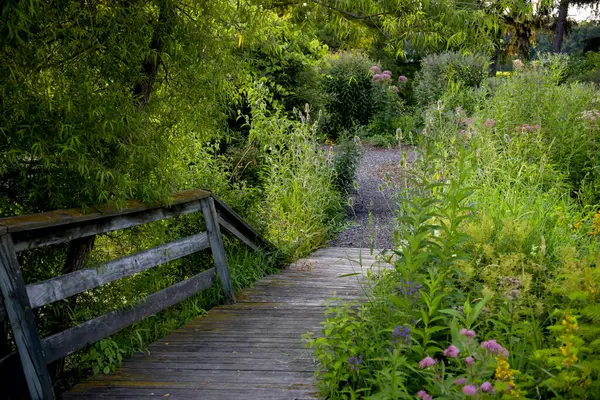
249,350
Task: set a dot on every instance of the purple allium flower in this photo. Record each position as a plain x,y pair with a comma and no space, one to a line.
402,78
493,347
375,69
355,362
469,361
423,395
452,351
486,386
469,390
467,332
427,362
461,381
402,332
489,123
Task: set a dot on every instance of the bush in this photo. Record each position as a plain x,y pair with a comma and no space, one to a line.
345,162
442,71
493,291
584,68
300,202
348,85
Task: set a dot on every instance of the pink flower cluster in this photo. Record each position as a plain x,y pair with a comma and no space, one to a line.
467,332
452,351
493,347
469,390
469,361
382,77
423,395
528,128
402,78
375,69
427,362
489,123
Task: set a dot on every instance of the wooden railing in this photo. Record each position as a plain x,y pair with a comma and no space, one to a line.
31,231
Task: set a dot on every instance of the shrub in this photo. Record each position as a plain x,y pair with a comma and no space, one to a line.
439,72
348,85
301,204
494,288
345,162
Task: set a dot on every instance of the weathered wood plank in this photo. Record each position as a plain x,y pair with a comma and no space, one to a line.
233,218
216,245
59,218
252,349
66,342
31,239
231,229
67,285
22,322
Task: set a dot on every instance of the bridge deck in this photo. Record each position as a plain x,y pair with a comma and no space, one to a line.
249,350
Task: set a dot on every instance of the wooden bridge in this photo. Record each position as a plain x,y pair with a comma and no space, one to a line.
250,348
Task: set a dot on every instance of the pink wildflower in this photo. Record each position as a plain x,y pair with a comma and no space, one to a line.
387,72
402,78
375,69
423,395
493,347
452,351
377,77
467,332
469,390
489,123
486,386
469,361
427,362
467,121
461,381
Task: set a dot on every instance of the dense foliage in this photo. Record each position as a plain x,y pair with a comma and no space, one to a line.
492,290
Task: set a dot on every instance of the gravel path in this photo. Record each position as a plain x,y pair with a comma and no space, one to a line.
372,215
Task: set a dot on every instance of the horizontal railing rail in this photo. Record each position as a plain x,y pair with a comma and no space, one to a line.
31,231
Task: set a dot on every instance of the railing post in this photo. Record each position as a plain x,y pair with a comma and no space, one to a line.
22,323
217,248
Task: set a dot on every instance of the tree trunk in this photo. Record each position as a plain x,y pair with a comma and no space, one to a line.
561,26
142,90
79,250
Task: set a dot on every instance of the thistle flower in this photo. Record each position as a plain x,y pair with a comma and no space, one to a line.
486,386
452,351
469,390
423,395
402,78
493,347
387,72
375,69
467,332
461,381
427,362
469,361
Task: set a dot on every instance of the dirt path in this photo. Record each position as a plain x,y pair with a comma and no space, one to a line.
372,215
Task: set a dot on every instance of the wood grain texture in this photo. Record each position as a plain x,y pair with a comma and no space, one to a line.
46,235
66,342
53,219
61,287
248,350
22,322
216,246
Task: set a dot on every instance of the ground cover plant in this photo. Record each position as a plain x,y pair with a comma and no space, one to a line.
492,290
